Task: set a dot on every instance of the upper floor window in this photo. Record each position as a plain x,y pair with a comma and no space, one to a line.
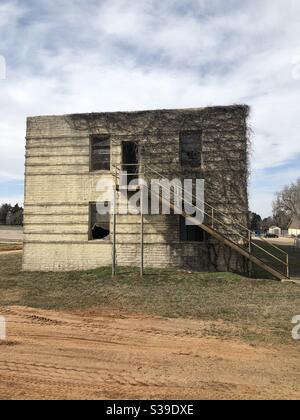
190,149
100,153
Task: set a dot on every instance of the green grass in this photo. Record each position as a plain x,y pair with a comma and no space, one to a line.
255,310
292,251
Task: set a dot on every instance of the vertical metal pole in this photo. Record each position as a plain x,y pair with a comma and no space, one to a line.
114,232
142,235
287,266
212,218
250,251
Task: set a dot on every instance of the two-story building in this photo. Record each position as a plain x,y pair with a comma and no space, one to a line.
67,156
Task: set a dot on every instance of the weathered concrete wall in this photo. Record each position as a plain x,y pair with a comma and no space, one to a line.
59,186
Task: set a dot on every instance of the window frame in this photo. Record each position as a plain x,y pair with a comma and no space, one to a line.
181,220
181,134
90,236
94,137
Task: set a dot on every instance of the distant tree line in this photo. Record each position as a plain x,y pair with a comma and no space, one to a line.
11,215
257,224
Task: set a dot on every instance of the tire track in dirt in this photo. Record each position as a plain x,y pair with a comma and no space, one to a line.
54,372
61,355
117,336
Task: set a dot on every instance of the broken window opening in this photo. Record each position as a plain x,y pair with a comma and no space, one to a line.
130,159
99,223
191,149
100,153
190,233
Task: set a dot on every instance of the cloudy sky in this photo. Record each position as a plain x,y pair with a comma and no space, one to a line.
68,56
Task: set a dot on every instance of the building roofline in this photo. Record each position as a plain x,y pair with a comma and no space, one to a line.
242,107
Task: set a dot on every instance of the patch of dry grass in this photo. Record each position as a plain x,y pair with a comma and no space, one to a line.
257,310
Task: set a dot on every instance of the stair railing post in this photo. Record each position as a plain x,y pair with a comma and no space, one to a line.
142,171
114,232
250,251
142,246
287,266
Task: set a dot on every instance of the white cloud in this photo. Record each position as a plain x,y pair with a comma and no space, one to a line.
18,199
120,55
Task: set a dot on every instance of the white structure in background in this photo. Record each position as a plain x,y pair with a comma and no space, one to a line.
274,230
294,227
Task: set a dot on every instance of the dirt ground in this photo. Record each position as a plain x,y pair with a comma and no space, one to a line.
109,355
10,250
281,241
11,233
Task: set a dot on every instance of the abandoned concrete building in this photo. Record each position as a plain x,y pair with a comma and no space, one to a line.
66,156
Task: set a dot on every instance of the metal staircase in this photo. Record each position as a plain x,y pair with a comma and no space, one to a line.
219,226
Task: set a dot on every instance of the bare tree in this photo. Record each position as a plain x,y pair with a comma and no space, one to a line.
267,223
281,219
287,201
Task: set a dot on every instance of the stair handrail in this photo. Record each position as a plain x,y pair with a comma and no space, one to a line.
231,229
212,216
219,211
237,234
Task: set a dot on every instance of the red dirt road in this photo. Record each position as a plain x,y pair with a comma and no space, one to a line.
52,355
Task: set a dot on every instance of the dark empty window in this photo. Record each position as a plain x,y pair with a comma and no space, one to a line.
99,223
100,153
130,157
191,233
130,152
190,148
